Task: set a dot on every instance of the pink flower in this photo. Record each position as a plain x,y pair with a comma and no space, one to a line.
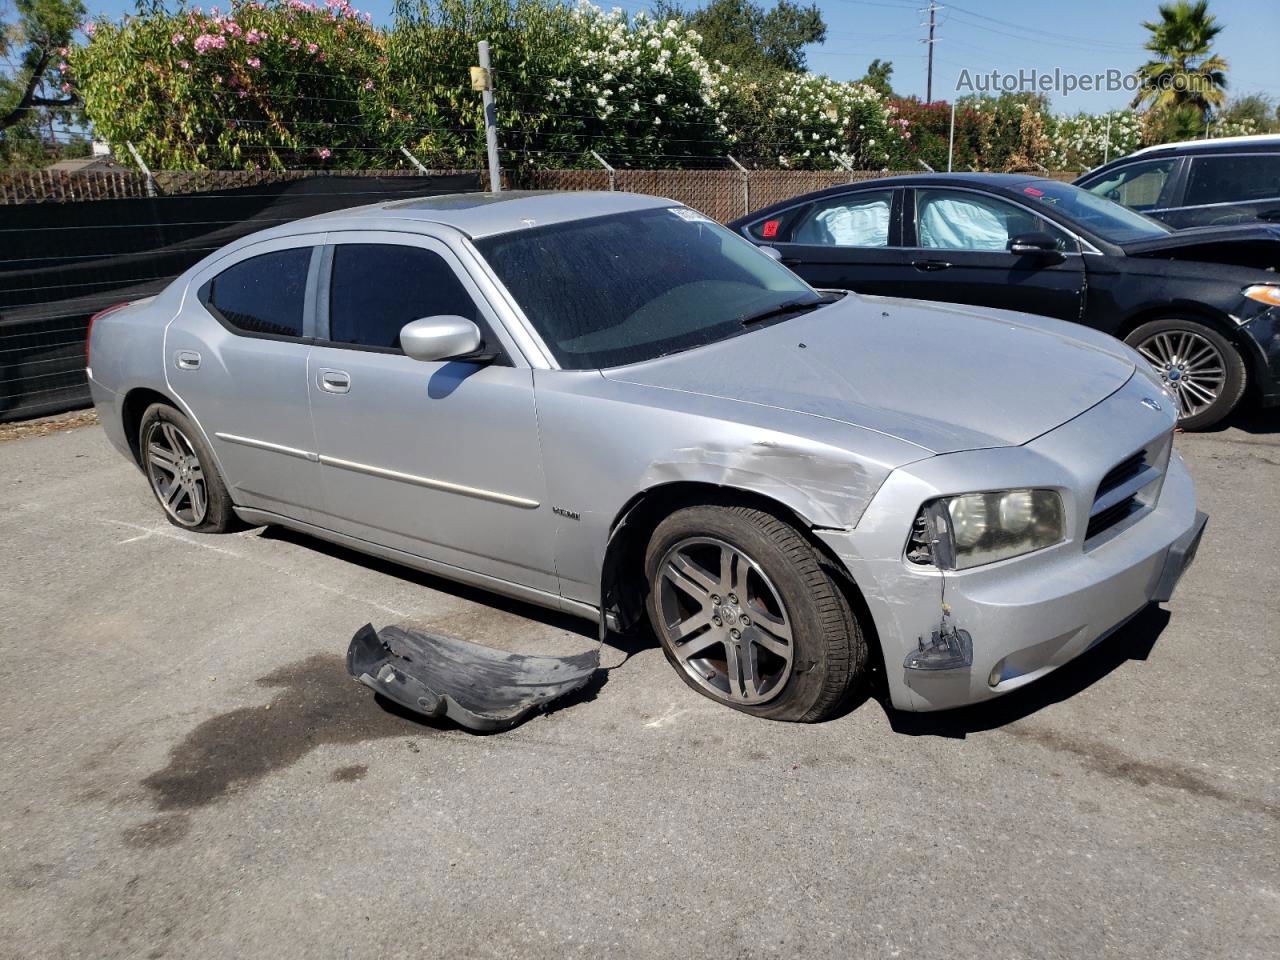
254,36
185,64
242,94
368,84
324,153
294,43
368,18
64,67
312,48
232,28
210,41
322,56
66,88
254,62
89,28
177,39
63,51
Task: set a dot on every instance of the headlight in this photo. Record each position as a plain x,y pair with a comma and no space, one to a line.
956,533
1268,293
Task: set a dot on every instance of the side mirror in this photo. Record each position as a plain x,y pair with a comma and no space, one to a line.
1034,244
439,338
771,252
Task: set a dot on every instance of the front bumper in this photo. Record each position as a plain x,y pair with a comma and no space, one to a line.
1020,618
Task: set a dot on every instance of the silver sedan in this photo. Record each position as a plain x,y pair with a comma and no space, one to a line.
610,405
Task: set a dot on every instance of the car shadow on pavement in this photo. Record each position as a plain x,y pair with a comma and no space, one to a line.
1249,418
1133,641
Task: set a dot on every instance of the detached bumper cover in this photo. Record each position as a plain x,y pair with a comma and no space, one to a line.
1181,555
475,686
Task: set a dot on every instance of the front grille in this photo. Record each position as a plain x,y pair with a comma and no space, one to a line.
1130,486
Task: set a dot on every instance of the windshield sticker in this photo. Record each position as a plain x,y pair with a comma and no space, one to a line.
1033,191
693,216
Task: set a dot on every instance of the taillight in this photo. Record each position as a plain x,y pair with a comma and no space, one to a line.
88,333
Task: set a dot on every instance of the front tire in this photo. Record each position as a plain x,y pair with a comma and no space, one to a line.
1201,369
751,615
180,469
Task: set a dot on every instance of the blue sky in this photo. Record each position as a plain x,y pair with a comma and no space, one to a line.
1076,36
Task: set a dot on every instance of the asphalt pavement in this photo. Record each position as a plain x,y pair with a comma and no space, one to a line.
189,772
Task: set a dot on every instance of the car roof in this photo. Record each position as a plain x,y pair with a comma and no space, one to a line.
1214,145
484,214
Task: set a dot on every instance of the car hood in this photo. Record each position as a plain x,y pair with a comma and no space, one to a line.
1205,237
943,377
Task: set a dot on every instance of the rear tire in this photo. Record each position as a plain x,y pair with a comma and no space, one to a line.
180,470
751,615
1198,365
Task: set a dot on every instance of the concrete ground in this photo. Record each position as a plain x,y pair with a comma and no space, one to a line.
188,772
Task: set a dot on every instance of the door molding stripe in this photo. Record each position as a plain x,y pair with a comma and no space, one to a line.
428,482
273,447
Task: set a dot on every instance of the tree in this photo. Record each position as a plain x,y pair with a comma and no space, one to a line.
33,43
1255,108
878,76
745,35
1185,76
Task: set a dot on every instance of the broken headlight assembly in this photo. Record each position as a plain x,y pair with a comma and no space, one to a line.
955,533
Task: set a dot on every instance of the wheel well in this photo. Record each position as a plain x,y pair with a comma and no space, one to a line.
135,405
625,585
1254,365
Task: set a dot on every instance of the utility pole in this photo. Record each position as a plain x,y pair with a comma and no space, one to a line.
482,80
928,90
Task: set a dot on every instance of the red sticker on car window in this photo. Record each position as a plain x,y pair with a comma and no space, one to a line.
1033,191
770,228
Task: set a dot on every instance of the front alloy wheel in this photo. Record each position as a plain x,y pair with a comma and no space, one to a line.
724,620
1198,367
176,474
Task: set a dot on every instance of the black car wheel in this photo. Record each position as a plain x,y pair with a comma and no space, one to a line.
1200,368
750,615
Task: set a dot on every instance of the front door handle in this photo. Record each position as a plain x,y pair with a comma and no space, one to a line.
335,381
929,266
187,360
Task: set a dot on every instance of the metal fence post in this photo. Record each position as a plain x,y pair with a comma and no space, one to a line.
137,158
746,184
612,173
482,79
414,160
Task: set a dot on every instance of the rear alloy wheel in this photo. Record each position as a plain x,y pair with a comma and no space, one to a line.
751,615
180,470
1201,370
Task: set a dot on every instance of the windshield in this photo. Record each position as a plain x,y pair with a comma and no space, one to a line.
629,287
1107,219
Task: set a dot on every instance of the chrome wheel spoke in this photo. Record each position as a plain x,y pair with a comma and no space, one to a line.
173,495
699,644
770,643
195,493
733,671
689,577
162,458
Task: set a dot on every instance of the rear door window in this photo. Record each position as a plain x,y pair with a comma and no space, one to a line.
852,220
1138,186
1233,179
262,296
376,288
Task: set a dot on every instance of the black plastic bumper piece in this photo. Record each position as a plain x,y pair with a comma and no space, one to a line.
1180,556
473,685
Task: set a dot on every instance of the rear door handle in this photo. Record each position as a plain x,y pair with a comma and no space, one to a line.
187,360
930,265
335,381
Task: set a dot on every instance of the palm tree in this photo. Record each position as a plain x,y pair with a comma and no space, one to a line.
1185,72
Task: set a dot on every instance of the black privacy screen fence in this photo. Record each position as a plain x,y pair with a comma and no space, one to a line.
60,263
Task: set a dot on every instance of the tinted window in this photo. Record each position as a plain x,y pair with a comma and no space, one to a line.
633,286
1137,185
955,220
857,220
1233,179
379,287
262,295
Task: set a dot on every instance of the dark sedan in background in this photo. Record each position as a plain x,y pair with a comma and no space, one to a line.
1197,182
1202,305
